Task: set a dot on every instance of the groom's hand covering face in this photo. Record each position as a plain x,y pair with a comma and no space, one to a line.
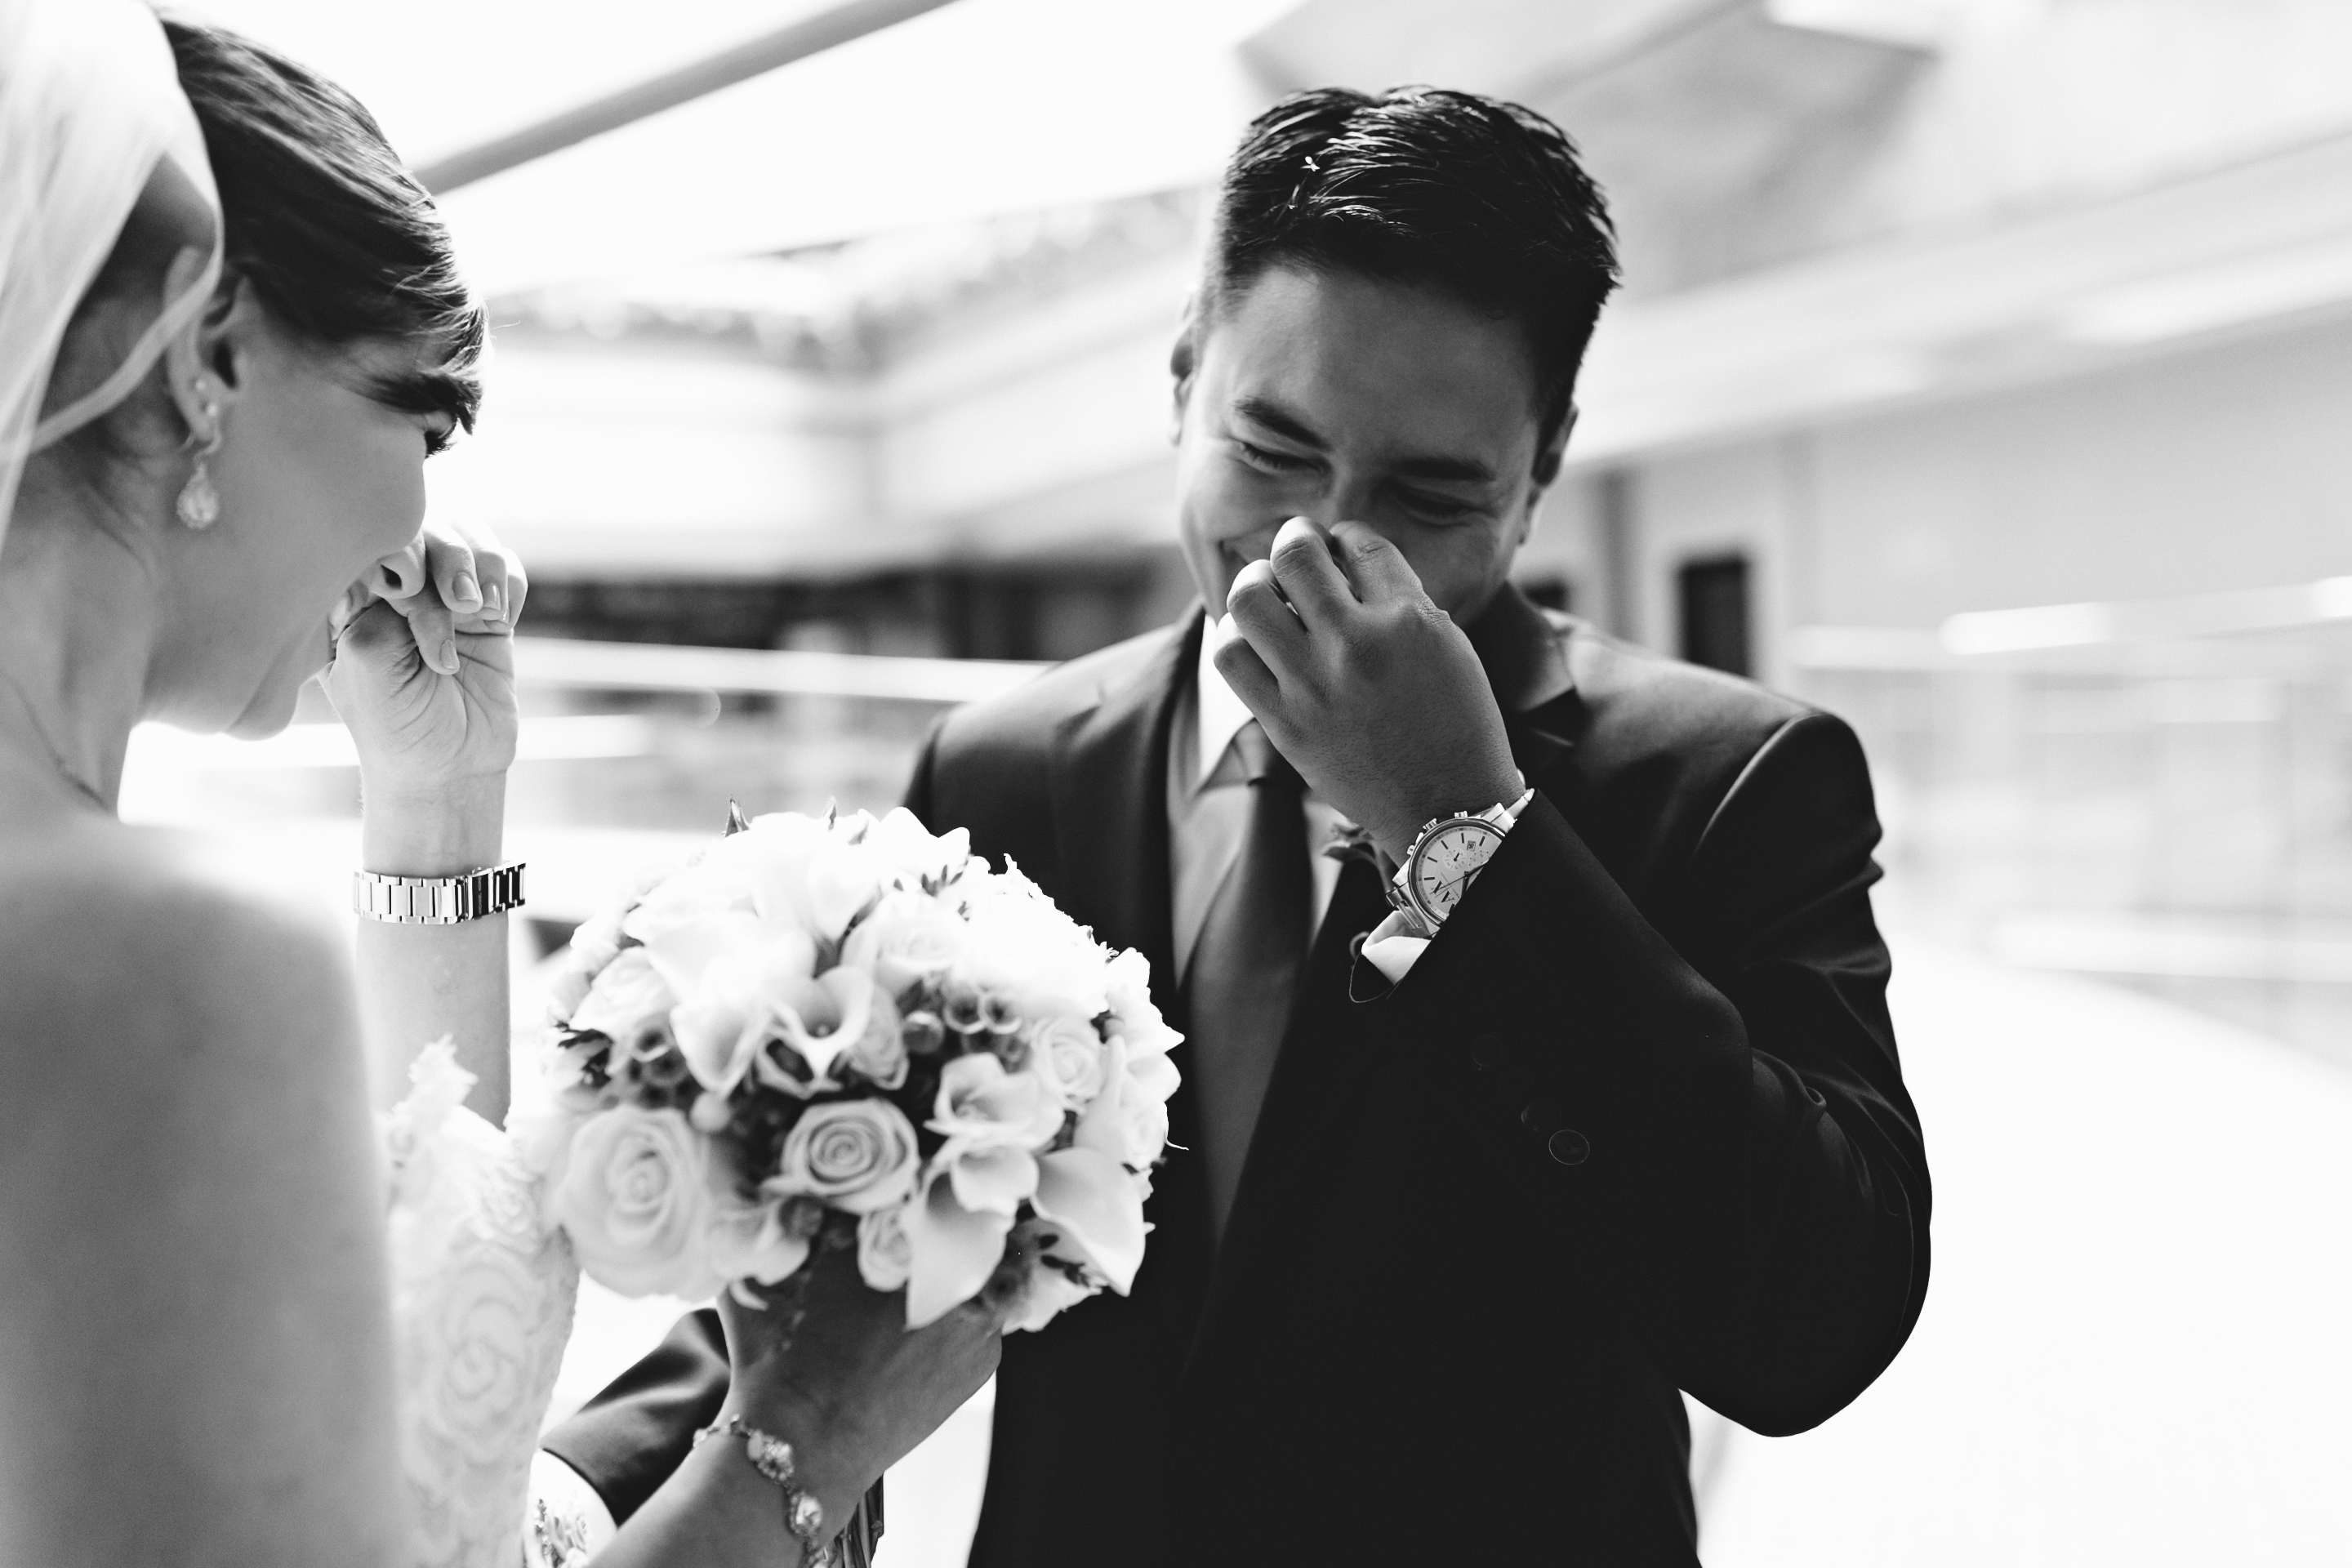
1409,426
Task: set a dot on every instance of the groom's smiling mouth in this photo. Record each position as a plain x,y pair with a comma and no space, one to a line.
1241,550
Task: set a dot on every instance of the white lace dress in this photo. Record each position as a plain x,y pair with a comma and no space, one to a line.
482,1300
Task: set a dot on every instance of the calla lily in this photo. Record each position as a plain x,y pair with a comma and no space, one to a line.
823,1017
1153,1076
842,879
684,951
980,1104
951,1251
752,1243
718,1039
995,1177
734,1006
777,851
1091,1197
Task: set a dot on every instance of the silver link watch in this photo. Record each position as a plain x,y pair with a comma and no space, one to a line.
1447,857
439,900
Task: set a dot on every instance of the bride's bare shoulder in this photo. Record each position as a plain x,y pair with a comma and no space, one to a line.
140,935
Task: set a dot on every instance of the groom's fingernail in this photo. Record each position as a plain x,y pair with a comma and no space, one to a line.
468,591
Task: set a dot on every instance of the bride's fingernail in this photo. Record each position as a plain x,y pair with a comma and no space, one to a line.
468,591
448,656
493,601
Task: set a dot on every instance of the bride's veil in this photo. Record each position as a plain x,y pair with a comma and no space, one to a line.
96,139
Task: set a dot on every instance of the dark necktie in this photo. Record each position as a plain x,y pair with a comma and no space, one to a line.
1245,969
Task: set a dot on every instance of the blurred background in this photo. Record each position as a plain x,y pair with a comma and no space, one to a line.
1983,372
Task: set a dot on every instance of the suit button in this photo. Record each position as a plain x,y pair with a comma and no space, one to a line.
1486,1052
1541,1116
1569,1147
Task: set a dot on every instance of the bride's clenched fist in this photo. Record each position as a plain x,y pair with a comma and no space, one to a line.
424,676
423,665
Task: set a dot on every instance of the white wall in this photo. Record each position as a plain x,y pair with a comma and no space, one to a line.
2228,467
657,456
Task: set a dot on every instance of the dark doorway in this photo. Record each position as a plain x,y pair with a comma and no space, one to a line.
1714,597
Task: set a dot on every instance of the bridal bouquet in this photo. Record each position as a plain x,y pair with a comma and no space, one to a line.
845,1016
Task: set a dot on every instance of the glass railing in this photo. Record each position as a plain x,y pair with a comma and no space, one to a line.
629,753
2159,794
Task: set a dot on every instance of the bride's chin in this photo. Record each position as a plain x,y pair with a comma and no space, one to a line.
273,704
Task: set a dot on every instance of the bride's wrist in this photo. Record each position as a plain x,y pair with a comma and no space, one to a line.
460,826
819,1449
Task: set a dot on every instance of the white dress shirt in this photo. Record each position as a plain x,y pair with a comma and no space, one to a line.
1209,802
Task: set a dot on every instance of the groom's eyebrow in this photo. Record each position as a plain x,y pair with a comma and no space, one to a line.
1434,467
1274,417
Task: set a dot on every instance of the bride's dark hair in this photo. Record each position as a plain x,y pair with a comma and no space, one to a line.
321,220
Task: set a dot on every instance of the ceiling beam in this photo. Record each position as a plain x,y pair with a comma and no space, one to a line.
829,28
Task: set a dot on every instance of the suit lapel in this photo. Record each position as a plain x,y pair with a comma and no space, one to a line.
1109,788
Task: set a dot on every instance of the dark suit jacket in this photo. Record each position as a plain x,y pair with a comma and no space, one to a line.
1634,1124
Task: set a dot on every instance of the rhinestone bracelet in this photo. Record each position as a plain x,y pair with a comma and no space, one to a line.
773,1457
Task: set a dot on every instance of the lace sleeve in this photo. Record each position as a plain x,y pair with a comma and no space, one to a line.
481,1306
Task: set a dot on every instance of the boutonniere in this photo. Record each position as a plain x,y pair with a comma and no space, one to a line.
1348,842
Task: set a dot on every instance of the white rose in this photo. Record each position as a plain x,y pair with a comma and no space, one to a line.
1019,946
633,1192
885,1257
629,997
879,1055
1126,1121
1068,1054
1134,1016
858,1155
910,937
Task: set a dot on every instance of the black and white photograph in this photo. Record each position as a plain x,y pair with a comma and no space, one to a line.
1175,784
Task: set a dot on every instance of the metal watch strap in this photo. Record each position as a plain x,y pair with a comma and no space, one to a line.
1503,816
439,900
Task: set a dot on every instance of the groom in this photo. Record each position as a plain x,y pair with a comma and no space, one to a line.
1615,1111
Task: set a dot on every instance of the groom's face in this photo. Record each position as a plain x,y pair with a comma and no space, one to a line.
1339,397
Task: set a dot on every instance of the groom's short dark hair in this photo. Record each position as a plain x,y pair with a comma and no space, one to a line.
1468,197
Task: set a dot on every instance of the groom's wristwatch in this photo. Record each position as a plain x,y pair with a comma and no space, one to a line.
1447,857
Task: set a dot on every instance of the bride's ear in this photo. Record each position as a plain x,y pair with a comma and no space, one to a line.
205,364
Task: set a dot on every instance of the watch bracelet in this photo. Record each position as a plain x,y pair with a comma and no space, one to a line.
439,900
1502,817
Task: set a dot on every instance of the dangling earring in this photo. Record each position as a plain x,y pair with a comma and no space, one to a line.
199,505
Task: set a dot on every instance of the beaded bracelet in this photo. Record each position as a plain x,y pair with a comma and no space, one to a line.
773,1457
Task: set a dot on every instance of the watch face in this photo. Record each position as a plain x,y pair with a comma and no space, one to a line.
1449,861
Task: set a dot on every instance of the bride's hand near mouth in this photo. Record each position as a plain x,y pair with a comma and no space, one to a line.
424,677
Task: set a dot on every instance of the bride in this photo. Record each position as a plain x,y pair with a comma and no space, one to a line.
230,334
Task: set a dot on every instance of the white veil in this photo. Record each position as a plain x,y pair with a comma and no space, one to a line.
94,130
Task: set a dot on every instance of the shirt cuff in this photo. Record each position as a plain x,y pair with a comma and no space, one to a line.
567,1524
1392,947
